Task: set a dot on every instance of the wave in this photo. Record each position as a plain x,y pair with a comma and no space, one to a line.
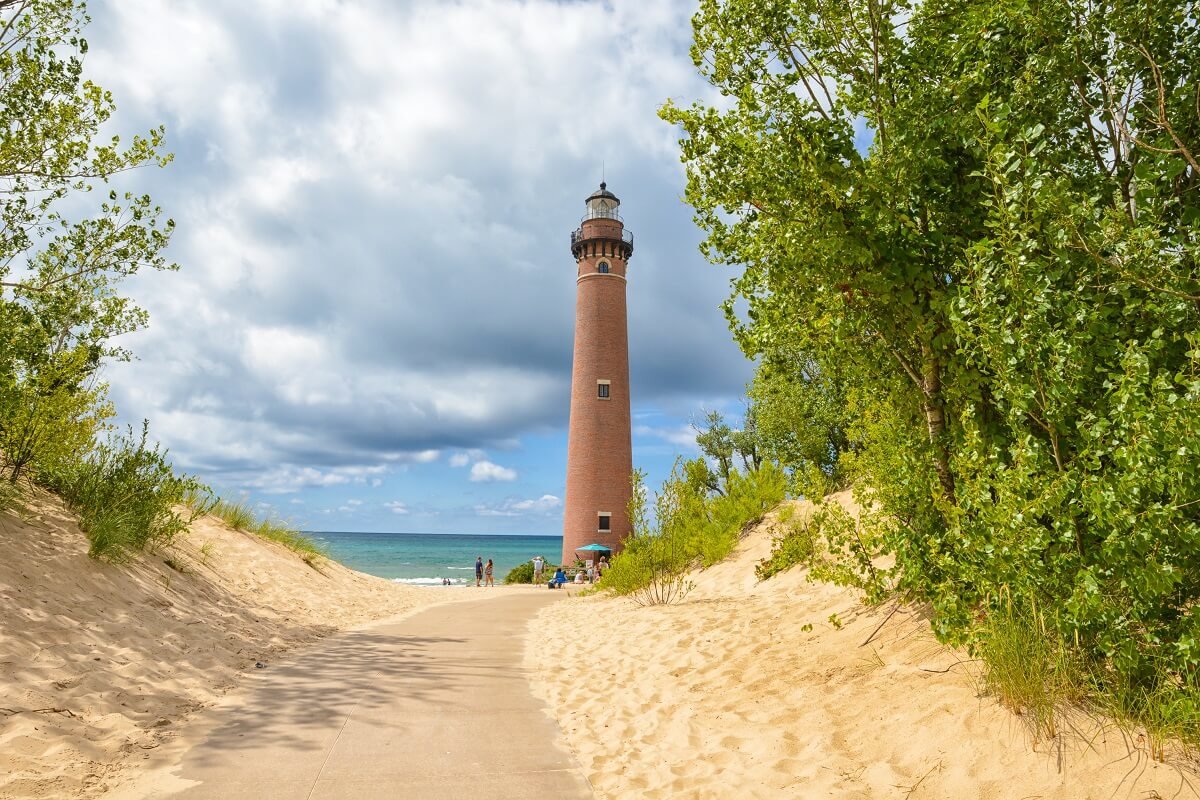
458,568
427,581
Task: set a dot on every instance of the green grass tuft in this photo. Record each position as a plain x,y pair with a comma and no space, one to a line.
236,515
1029,669
126,496
241,516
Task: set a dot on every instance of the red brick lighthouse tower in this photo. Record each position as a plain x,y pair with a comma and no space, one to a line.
599,447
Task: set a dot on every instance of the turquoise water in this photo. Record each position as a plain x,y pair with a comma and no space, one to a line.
427,558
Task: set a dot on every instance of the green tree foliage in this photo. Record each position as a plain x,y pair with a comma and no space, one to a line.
801,421
59,308
983,219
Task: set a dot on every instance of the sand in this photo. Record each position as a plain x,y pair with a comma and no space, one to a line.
101,664
748,690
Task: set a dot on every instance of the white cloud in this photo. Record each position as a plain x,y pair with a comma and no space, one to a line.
487,471
545,504
292,478
683,436
396,507
333,194
464,457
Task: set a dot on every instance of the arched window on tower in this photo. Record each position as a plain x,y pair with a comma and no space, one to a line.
602,267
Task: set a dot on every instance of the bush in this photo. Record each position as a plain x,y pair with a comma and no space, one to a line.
50,416
125,494
690,528
523,573
747,499
795,545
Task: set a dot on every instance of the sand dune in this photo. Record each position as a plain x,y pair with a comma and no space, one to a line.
748,690
100,664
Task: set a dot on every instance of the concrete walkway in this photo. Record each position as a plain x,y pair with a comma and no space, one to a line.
434,706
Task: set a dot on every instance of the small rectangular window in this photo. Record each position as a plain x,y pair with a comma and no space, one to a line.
605,523
602,389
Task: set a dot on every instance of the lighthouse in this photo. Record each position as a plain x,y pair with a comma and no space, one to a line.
599,445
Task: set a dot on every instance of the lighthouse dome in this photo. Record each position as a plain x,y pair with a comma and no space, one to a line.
603,204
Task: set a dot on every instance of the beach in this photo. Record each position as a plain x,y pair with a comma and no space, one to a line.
101,664
788,688
745,689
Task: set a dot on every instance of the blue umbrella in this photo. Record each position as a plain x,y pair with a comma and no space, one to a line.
597,547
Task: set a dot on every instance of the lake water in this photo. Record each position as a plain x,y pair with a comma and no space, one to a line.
427,558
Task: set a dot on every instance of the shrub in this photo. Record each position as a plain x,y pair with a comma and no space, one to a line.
125,494
523,573
747,499
795,545
690,528
51,416
657,555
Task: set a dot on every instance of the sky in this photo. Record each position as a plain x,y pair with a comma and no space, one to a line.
372,324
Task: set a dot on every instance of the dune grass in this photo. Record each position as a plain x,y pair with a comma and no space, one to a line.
1043,678
242,517
125,494
1030,670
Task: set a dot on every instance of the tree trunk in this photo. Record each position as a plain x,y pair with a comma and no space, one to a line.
935,418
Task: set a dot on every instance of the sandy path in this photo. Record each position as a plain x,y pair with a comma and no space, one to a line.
434,706
100,665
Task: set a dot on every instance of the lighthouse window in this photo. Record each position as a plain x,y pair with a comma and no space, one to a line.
602,389
604,523
602,266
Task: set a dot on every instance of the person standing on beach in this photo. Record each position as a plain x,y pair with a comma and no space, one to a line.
538,564
478,570
487,571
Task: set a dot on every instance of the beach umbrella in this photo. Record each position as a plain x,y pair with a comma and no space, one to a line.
595,547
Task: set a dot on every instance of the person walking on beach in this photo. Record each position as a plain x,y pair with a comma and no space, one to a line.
538,564
487,571
478,570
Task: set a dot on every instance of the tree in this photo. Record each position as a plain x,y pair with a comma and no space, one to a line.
983,219
721,445
59,308
800,419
